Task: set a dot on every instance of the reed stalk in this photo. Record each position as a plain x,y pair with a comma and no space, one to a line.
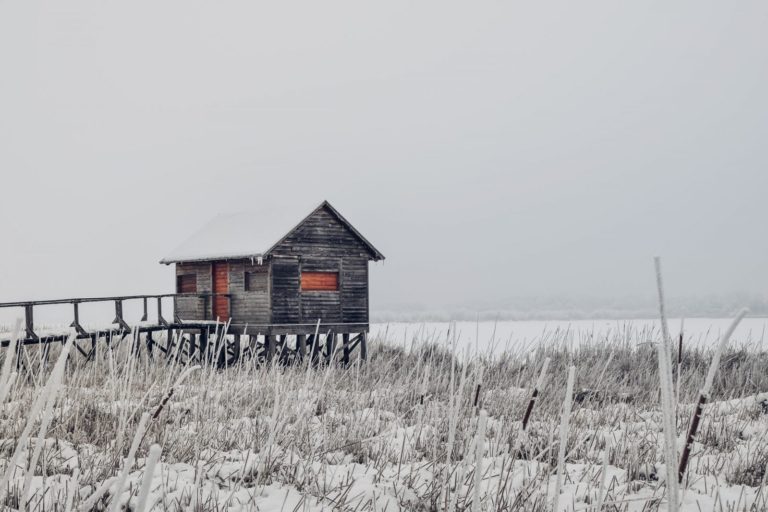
146,483
704,396
564,427
667,398
479,452
536,390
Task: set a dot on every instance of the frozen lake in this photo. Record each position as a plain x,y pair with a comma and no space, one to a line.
484,336
525,334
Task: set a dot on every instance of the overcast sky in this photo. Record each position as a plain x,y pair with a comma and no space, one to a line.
488,149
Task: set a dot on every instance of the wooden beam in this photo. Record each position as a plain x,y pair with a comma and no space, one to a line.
119,316
76,322
160,319
85,354
29,322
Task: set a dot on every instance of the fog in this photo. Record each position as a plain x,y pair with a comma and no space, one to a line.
493,151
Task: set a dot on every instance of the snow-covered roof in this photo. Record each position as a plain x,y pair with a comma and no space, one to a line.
248,235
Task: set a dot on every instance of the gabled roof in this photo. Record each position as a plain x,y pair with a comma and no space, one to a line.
250,235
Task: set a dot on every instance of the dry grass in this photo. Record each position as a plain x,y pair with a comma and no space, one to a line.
374,436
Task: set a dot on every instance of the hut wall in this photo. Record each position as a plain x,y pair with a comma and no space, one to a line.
321,243
249,306
285,290
193,308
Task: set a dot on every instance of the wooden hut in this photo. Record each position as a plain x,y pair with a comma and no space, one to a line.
275,273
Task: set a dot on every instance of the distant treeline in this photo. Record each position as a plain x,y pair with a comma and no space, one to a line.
571,308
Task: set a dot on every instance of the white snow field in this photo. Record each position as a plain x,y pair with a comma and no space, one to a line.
523,335
400,432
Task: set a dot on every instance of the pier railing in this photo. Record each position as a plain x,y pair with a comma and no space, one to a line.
29,309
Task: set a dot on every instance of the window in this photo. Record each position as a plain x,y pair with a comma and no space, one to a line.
319,281
186,283
256,282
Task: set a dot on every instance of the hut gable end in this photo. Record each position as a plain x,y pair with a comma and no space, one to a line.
323,234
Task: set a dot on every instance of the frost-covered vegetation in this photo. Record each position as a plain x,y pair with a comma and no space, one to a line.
402,431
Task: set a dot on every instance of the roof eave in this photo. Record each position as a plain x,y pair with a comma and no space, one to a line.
250,256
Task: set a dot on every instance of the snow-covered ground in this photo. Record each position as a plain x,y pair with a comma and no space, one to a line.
399,433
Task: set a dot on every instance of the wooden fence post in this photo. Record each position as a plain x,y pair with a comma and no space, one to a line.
29,321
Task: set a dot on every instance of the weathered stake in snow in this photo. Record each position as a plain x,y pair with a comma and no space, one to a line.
704,396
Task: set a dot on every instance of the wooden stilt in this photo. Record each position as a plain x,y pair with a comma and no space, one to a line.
92,353
269,344
150,344
169,342
345,348
315,344
301,345
202,346
364,346
330,346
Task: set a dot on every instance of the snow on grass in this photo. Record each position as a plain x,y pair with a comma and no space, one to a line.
400,432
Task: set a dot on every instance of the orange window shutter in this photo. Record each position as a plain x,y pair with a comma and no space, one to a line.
320,281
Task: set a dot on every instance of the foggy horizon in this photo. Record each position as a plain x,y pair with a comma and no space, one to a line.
490,162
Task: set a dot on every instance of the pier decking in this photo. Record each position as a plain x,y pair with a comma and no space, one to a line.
222,343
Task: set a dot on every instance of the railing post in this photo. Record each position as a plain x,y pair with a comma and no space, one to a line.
29,321
119,315
160,319
145,316
76,322
176,318
208,308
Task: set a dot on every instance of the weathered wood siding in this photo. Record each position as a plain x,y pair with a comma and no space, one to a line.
323,305
285,290
247,307
354,291
321,244
192,308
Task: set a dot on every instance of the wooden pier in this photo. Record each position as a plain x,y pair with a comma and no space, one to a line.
196,341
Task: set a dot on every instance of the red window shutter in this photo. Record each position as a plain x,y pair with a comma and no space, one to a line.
319,281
